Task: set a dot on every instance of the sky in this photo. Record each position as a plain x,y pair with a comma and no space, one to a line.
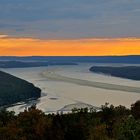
69,27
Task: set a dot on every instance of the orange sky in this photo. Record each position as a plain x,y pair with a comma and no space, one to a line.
83,47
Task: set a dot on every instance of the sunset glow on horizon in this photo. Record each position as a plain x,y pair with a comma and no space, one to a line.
10,46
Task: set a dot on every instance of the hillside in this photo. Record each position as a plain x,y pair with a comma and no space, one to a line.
13,89
129,72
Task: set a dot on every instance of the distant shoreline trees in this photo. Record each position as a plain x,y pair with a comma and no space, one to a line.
129,72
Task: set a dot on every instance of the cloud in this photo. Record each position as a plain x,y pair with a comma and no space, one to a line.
3,36
70,18
136,10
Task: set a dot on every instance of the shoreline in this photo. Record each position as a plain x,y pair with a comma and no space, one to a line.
58,84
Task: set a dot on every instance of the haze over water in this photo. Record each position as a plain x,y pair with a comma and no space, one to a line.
75,85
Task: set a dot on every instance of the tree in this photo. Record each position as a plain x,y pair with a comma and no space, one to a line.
135,108
129,129
6,116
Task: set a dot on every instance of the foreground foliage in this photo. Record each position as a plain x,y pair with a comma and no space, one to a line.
111,123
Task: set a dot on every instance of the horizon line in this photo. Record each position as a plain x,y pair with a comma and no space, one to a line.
71,56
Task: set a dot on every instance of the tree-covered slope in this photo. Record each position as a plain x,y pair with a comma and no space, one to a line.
13,89
129,72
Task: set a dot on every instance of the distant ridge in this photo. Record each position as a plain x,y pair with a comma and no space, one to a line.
134,59
26,64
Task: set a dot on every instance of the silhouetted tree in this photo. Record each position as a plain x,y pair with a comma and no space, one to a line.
135,108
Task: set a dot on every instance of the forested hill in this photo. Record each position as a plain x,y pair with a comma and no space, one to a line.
13,89
129,72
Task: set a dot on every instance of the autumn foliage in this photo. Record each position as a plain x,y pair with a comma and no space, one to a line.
111,123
